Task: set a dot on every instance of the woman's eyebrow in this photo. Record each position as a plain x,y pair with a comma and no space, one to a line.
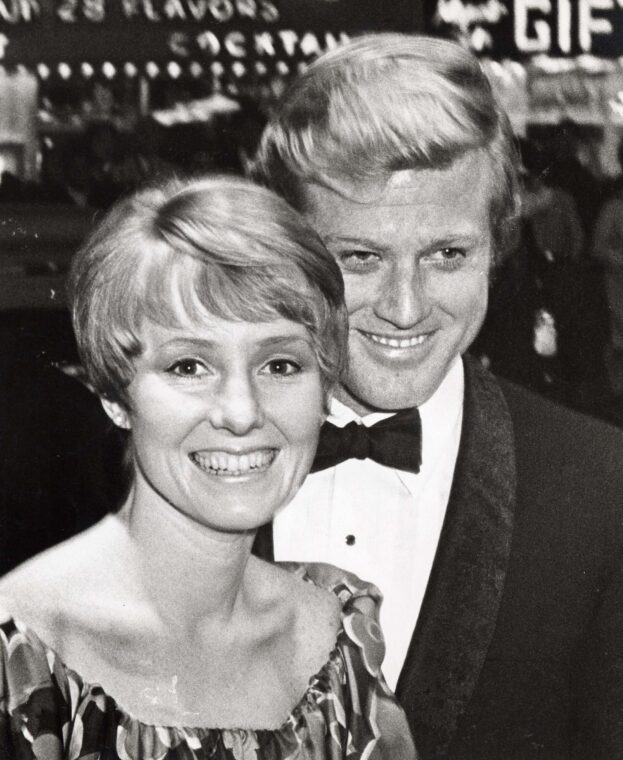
189,341
284,340
270,340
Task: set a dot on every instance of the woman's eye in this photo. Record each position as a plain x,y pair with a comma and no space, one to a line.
187,368
282,367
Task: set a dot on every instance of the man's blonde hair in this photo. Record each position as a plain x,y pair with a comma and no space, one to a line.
384,103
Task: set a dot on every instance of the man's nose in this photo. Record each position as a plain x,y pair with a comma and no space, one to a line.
237,406
404,300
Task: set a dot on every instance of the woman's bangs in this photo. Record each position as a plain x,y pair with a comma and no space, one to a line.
185,288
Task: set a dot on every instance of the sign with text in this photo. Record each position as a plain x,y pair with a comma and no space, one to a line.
519,28
116,31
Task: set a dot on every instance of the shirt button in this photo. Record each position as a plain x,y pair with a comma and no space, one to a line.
350,540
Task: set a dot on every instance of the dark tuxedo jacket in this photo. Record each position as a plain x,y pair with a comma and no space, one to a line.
518,650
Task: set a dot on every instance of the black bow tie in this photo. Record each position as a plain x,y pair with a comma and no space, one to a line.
395,442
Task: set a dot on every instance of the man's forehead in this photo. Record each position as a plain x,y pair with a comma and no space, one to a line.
470,173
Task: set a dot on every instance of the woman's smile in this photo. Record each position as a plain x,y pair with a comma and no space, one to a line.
232,464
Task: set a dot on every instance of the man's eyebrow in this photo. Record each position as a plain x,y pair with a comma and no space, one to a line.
458,237
356,242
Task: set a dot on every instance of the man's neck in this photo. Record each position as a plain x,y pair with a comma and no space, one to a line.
361,409
358,407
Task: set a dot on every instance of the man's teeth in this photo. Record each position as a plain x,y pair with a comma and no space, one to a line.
396,342
224,463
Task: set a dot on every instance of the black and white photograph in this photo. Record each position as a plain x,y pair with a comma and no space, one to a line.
311,380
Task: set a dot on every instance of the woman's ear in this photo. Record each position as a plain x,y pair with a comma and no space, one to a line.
116,413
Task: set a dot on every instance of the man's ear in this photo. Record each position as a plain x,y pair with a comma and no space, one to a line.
116,413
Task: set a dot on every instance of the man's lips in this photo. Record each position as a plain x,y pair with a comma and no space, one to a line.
393,341
221,463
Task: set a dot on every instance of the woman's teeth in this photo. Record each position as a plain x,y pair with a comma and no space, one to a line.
225,463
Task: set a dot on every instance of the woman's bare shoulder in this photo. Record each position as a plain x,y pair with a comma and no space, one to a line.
39,590
289,581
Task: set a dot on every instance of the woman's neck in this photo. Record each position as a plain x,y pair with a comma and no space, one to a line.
189,573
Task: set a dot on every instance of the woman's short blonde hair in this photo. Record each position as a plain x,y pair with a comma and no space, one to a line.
176,251
383,103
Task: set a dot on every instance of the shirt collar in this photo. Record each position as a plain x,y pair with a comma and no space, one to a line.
440,414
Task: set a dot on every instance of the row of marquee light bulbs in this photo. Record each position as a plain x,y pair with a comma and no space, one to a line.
173,69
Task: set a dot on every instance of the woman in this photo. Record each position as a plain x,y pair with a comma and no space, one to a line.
210,321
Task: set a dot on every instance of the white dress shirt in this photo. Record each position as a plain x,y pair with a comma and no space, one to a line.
381,523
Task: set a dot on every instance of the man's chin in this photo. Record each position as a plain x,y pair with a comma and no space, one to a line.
367,399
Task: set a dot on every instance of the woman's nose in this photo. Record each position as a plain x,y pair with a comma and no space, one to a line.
404,300
237,406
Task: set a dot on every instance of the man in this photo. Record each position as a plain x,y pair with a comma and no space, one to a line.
500,555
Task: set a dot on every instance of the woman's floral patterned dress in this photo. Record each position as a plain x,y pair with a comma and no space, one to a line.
47,712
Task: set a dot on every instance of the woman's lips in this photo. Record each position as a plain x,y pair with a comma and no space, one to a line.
228,463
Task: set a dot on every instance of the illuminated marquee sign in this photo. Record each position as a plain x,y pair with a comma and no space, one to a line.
120,31
516,28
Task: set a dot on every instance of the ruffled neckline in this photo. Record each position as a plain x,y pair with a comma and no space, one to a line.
330,678
319,685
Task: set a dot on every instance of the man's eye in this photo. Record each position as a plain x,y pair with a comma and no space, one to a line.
358,260
282,367
448,258
187,368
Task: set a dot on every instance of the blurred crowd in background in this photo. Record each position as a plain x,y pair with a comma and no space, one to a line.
555,321
96,166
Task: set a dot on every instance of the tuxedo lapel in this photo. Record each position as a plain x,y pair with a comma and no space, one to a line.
459,612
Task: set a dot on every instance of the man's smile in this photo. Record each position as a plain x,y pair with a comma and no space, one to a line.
395,342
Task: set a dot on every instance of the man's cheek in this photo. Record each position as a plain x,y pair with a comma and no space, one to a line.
359,295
